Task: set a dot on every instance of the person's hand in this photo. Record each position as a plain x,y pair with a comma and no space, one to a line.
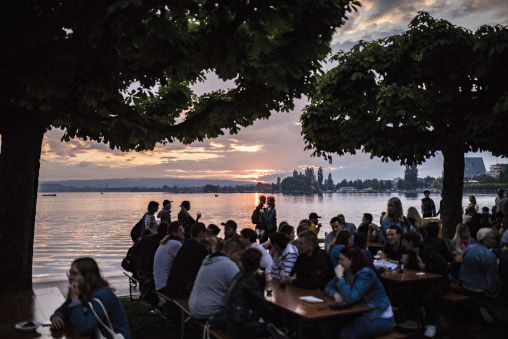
57,323
291,278
74,291
337,297
458,258
339,271
198,216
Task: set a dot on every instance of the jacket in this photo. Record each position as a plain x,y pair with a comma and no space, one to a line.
479,270
313,272
365,288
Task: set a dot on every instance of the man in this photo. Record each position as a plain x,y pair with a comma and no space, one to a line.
248,238
315,226
336,226
187,263
372,230
256,216
347,225
500,195
394,247
230,230
208,296
313,268
165,213
428,207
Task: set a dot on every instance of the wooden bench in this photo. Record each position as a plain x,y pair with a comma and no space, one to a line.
392,335
183,305
132,282
451,297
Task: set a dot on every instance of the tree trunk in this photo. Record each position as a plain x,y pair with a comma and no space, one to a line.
453,183
19,176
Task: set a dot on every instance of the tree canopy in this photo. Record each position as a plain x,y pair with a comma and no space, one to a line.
435,87
120,72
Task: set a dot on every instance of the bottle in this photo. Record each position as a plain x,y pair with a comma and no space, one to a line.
269,283
401,266
283,279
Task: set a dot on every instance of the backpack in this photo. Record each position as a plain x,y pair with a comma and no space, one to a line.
129,263
138,229
256,216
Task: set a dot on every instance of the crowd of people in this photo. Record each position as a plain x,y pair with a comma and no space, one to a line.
224,277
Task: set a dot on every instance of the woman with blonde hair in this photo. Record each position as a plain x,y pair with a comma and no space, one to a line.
414,217
394,216
462,239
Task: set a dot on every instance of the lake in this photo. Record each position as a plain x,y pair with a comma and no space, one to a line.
72,225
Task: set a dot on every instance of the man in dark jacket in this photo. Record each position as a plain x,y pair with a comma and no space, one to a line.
187,263
313,268
428,206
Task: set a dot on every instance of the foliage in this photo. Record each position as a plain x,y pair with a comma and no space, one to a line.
320,176
297,184
309,172
328,184
435,87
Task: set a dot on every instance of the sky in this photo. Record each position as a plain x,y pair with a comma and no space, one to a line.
270,148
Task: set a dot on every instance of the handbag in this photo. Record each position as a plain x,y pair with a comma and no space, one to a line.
98,332
129,263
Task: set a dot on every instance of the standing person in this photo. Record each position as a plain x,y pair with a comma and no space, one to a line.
315,225
472,203
149,221
356,282
500,195
166,253
347,225
89,290
428,207
336,226
165,213
394,216
185,219
256,216
269,216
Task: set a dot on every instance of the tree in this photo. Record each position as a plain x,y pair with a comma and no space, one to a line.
320,176
120,72
309,172
329,183
434,88
411,177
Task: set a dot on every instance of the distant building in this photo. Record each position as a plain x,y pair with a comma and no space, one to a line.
495,170
473,166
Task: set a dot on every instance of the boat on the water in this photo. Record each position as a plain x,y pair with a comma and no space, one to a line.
49,195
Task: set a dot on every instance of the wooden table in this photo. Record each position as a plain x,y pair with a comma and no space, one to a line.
288,299
37,305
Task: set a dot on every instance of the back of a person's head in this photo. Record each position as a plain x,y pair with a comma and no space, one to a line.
343,237
482,233
303,225
279,239
282,224
232,245
197,228
360,239
153,206
358,259
185,204
249,234
412,236
368,216
310,238
286,229
251,259
432,229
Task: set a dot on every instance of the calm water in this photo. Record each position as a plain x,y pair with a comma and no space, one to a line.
71,225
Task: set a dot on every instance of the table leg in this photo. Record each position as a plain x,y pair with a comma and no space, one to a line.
182,324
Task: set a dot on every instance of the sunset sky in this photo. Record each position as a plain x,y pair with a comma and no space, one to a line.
273,147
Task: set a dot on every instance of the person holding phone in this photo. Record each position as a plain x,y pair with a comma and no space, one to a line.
91,305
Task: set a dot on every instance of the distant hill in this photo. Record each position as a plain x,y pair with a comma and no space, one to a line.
64,185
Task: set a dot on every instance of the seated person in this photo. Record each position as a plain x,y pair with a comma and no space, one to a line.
371,229
313,268
342,239
336,228
435,243
284,255
245,301
356,282
208,296
249,239
423,258
461,241
478,272
394,247
360,240
166,253
347,225
288,230
89,290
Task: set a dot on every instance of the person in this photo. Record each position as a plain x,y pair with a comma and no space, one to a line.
230,230
269,216
347,225
149,221
144,254
472,203
208,296
439,245
187,263
336,228
185,219
416,220
360,240
213,229
87,289
313,268
288,230
420,257
500,195
356,282
462,240
166,253
428,206
479,273
246,302
394,216
284,255
371,229
394,247
256,216
249,238
342,239
165,213
315,225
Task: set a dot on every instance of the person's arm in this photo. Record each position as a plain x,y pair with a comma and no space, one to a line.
492,277
86,323
60,316
288,262
354,293
433,208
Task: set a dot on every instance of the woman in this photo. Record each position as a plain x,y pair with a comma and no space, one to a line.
356,282
416,220
89,293
149,217
342,239
288,230
394,216
284,255
472,203
245,300
166,253
462,240
269,215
